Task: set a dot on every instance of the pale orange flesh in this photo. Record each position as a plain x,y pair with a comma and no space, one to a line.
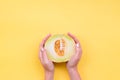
60,47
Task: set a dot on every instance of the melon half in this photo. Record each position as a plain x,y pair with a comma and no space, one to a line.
60,48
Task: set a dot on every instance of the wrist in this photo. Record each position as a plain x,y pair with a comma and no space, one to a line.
49,72
49,75
73,73
71,69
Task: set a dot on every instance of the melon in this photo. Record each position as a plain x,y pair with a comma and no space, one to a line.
60,48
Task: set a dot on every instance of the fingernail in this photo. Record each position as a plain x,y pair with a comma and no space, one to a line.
77,45
42,49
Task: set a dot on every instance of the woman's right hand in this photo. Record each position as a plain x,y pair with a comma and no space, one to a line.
73,62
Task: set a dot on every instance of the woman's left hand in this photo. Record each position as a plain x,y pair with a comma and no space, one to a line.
47,64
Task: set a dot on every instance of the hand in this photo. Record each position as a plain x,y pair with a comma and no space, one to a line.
47,64
72,63
78,52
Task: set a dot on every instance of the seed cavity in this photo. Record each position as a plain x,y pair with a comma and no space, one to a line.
60,47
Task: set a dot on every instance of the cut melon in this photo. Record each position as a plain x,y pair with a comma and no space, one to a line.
60,48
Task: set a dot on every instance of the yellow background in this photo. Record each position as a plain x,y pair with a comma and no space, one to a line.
24,23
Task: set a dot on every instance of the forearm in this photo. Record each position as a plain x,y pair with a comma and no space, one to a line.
49,75
74,74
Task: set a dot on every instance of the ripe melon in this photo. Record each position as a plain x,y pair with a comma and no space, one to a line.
60,48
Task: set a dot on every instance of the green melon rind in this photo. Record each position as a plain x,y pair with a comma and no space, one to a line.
56,60
56,36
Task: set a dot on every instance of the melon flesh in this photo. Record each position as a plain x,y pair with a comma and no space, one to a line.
60,48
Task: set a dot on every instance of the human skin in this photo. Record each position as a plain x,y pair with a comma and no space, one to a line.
71,65
73,62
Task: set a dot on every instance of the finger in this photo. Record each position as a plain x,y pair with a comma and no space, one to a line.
78,52
40,56
44,40
41,50
73,37
45,58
